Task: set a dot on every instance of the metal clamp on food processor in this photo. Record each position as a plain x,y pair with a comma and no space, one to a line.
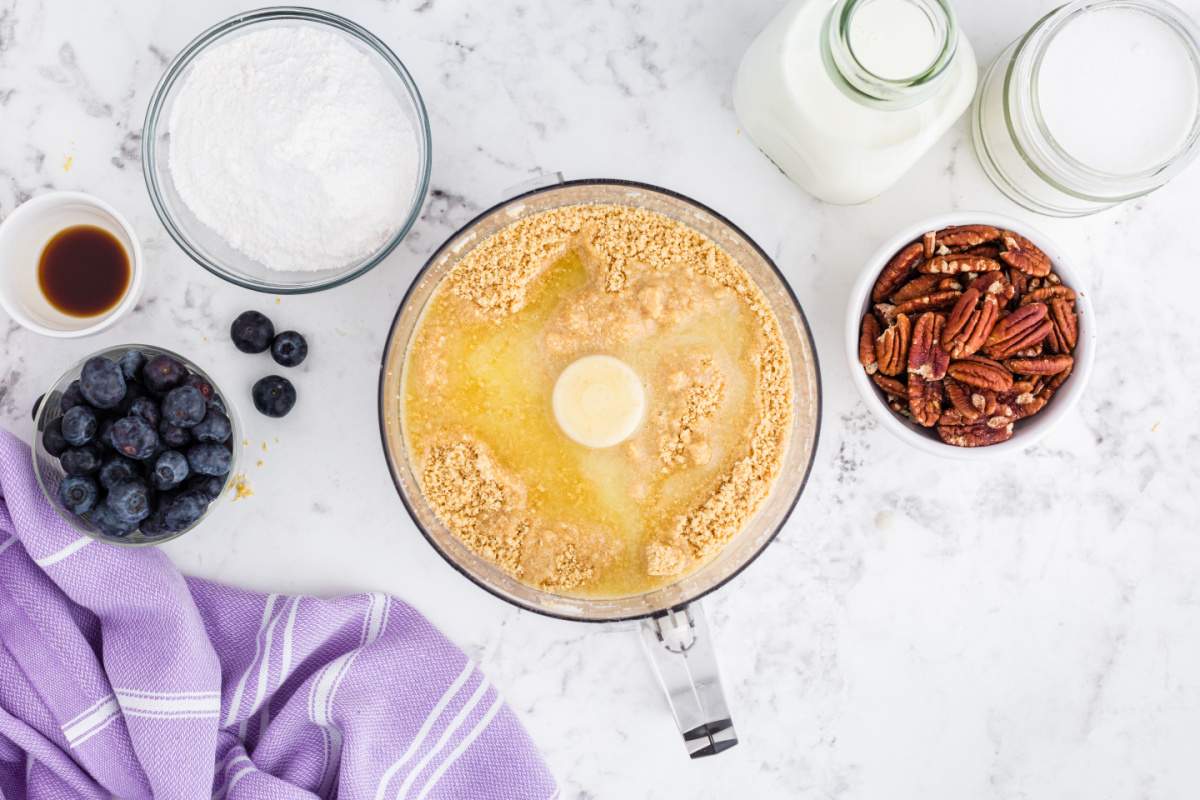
680,650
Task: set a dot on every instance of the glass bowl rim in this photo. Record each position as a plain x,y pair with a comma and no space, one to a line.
38,448
201,43
790,294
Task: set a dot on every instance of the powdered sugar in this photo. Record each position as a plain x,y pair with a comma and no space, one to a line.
289,143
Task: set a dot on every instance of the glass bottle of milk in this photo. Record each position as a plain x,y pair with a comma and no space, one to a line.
845,95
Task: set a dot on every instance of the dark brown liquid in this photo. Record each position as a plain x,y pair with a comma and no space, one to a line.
84,271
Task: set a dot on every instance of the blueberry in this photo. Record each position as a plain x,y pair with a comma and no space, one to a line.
131,363
129,500
174,436
81,460
183,407
147,409
134,438
162,374
208,485
133,393
109,523
102,383
104,432
117,469
209,459
79,425
289,349
251,332
71,397
274,396
156,523
215,427
204,387
185,508
170,470
52,438
78,493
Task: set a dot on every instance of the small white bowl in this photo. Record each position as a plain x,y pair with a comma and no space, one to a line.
1025,432
24,235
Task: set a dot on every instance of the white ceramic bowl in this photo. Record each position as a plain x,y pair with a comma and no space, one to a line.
1026,432
24,235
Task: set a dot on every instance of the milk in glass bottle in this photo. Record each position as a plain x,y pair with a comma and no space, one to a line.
845,95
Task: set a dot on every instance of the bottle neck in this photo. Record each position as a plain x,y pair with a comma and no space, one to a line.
889,54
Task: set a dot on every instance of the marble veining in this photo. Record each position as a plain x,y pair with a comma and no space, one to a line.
920,629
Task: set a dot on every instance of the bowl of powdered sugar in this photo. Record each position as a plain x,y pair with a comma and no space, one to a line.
287,150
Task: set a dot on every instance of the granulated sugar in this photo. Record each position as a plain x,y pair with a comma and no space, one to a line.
290,145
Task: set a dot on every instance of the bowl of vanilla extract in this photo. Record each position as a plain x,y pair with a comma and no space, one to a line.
73,265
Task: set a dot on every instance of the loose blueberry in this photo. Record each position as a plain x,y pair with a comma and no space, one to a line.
104,432
129,500
274,396
184,407
208,485
131,363
170,470
134,438
52,438
209,459
162,374
185,509
155,524
204,387
147,409
117,469
109,523
173,436
78,493
133,392
289,349
102,383
81,460
215,427
79,425
71,397
251,332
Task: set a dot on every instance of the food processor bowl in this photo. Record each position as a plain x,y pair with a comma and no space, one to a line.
673,625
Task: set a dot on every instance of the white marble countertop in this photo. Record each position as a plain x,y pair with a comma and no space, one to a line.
1028,628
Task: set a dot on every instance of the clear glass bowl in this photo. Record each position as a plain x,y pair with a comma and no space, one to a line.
202,243
50,474
806,411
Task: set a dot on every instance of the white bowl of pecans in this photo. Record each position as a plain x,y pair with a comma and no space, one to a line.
970,334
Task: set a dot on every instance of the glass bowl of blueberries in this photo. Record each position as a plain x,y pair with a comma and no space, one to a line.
134,445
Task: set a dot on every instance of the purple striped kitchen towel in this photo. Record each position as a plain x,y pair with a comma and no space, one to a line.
119,677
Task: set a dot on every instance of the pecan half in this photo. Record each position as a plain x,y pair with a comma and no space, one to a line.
982,372
933,301
926,358
971,402
958,236
924,400
1023,254
891,386
868,333
977,435
929,243
897,270
923,285
970,323
1042,365
1018,331
956,263
1066,324
891,348
1047,293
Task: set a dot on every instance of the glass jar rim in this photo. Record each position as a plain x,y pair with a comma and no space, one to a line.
1043,151
865,86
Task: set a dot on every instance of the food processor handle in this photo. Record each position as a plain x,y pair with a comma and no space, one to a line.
680,649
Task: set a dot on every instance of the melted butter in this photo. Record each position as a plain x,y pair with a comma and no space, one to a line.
494,379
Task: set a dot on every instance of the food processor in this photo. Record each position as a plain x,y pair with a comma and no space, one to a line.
671,620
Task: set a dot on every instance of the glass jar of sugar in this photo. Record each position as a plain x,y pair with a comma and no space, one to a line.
1097,104
845,95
